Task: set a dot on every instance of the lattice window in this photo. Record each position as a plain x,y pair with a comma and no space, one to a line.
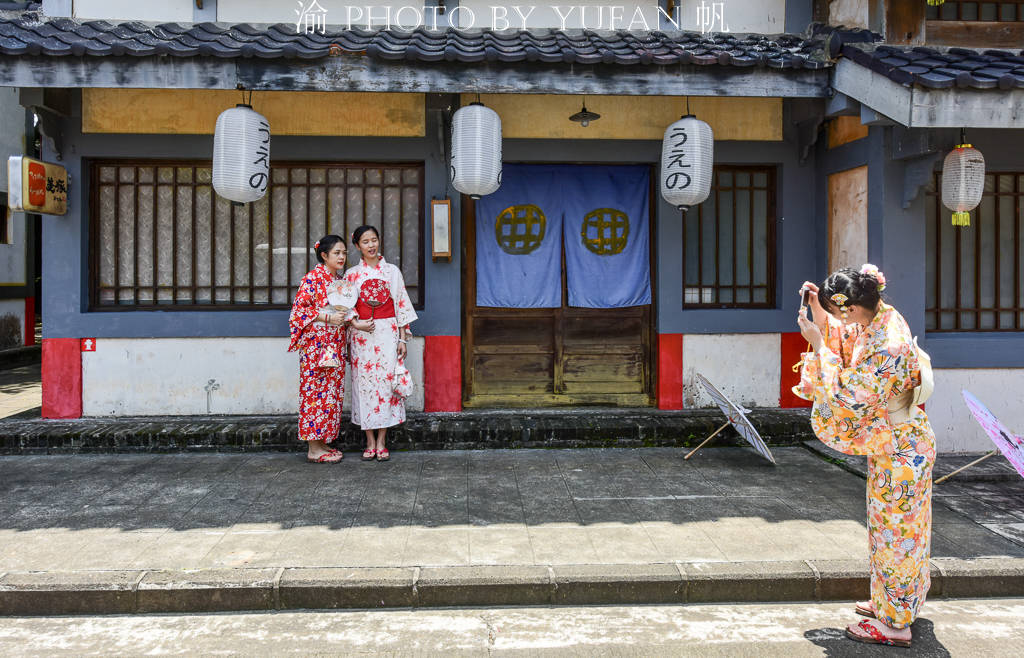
729,242
162,237
974,274
955,10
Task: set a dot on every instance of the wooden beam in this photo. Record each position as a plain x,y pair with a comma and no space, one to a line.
876,91
841,105
916,107
360,73
975,34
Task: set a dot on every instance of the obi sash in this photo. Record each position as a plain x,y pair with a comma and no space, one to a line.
385,310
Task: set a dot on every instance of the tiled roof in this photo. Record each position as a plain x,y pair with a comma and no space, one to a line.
942,68
31,34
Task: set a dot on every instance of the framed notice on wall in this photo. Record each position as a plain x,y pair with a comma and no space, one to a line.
441,228
35,186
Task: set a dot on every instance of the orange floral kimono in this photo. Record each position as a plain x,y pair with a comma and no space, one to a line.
861,382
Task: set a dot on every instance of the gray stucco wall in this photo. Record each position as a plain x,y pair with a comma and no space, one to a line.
897,244
65,279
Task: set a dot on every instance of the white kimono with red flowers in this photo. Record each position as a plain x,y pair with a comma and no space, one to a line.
374,355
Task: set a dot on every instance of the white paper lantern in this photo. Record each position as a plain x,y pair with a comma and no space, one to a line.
241,155
476,150
687,157
963,181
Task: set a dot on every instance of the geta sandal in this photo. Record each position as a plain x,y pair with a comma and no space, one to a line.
874,636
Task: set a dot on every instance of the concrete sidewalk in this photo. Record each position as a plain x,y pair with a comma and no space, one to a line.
204,532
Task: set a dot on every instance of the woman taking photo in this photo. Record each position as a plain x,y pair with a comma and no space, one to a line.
379,348
318,333
861,377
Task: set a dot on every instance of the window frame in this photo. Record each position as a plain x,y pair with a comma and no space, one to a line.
934,279
771,249
974,33
93,165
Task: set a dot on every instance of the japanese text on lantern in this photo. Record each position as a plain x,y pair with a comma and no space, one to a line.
261,179
675,177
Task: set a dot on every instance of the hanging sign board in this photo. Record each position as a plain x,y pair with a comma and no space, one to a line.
36,186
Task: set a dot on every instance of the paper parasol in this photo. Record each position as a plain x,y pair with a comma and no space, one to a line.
1011,445
737,417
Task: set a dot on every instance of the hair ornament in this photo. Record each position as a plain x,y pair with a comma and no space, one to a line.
868,268
316,245
839,299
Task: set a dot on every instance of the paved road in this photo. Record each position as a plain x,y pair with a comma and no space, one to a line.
21,389
976,628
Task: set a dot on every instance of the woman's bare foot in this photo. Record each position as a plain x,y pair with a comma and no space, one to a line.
866,608
320,452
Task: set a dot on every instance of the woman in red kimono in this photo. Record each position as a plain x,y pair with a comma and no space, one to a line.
318,333
378,352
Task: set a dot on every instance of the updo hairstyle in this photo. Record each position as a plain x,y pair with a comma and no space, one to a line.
860,289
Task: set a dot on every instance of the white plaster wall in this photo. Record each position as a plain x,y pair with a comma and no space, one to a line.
162,11
851,13
597,15
338,11
168,376
745,367
955,427
765,16
15,307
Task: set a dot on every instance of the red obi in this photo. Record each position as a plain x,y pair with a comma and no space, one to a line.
385,310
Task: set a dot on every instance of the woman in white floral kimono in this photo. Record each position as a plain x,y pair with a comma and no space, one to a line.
861,377
377,352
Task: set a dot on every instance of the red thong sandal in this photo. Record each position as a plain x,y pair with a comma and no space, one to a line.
383,455
332,457
368,455
875,636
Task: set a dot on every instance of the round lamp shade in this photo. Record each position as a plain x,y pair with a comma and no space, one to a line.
687,157
476,150
241,155
963,181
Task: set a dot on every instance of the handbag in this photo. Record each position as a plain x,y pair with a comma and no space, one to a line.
403,380
924,391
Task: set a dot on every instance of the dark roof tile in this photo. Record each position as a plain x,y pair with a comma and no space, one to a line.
937,69
31,33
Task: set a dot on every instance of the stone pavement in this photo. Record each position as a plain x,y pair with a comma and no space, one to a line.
21,390
202,532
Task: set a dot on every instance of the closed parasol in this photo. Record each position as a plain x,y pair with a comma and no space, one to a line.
737,418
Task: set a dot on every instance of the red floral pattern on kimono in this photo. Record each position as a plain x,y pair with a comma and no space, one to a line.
374,355
855,379
321,390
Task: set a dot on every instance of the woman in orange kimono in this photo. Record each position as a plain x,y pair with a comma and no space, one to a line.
318,333
861,377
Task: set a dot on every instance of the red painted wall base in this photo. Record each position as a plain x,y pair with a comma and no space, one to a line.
670,371
793,345
62,378
442,373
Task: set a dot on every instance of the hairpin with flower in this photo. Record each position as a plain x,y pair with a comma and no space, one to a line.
839,299
868,268
316,245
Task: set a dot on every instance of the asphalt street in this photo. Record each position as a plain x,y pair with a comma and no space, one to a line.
976,628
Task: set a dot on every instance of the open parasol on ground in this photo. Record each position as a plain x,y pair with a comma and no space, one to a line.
1011,445
736,417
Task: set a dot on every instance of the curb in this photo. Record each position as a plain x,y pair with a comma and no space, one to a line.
472,429
233,590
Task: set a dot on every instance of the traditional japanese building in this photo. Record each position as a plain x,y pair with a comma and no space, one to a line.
828,143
